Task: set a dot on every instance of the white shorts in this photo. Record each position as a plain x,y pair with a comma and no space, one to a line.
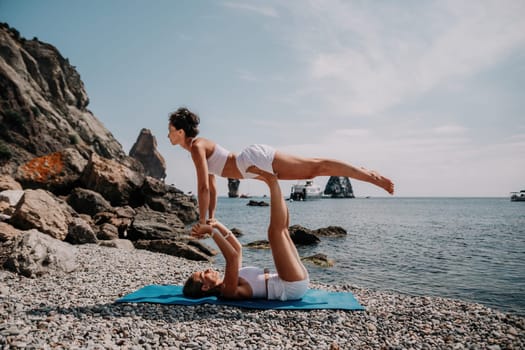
284,290
260,156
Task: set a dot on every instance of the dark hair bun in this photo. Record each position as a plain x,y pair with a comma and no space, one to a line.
185,119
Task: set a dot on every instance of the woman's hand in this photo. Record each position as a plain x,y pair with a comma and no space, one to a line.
211,222
201,230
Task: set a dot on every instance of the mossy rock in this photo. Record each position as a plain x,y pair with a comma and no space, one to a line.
262,244
321,260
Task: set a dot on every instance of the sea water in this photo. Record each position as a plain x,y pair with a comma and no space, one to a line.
464,248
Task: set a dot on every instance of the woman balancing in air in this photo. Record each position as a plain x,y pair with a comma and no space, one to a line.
211,159
289,283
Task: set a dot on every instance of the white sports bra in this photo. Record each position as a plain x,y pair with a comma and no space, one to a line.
217,160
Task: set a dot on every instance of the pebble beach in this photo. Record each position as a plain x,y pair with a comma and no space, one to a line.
77,311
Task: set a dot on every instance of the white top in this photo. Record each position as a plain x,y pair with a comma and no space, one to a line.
217,160
255,278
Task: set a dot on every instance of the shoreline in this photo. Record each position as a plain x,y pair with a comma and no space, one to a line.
77,310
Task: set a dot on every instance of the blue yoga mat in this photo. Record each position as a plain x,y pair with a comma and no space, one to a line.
313,299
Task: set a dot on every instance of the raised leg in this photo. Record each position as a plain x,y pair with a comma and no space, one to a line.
289,167
287,261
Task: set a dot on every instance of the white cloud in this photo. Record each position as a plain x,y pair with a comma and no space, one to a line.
364,61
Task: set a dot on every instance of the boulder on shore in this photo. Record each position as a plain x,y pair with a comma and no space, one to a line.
80,232
173,247
8,232
39,209
8,183
165,198
57,172
150,224
118,183
34,254
88,202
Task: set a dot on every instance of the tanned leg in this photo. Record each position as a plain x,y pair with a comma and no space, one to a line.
289,167
287,261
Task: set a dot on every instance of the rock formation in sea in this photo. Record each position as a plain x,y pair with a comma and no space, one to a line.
233,188
145,151
64,175
339,187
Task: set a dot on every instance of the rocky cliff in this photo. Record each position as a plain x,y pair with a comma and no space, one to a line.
63,174
43,105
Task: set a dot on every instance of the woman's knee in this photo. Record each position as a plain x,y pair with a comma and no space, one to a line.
317,167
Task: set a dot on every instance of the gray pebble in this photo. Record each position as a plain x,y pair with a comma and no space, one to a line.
77,310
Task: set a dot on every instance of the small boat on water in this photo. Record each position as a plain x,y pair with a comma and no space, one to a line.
305,191
517,196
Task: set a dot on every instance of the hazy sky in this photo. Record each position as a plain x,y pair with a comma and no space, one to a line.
429,93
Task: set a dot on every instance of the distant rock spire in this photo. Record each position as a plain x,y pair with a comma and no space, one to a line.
233,188
145,151
339,187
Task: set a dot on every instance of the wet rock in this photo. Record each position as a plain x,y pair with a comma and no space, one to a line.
254,203
236,232
260,244
331,231
319,259
34,254
302,236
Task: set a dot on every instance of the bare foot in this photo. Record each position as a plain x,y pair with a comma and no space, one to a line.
382,182
201,230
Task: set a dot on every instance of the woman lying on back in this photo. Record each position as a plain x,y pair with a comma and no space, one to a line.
290,281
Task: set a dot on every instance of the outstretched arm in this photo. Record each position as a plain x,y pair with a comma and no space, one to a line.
198,154
230,248
213,197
